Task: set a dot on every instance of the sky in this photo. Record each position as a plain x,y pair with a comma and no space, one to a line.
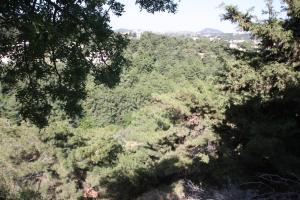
192,15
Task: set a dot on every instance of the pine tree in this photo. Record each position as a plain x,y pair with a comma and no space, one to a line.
280,38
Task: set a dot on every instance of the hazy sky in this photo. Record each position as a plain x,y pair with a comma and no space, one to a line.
192,15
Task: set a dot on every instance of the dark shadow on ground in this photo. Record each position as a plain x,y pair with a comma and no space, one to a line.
263,136
260,138
129,186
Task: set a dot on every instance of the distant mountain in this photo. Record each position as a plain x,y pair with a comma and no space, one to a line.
210,31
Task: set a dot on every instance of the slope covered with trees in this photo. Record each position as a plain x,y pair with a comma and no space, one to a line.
183,109
149,128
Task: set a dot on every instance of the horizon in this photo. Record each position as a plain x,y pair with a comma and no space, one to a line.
180,31
187,16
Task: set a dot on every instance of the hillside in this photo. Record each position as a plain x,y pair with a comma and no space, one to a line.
161,124
91,113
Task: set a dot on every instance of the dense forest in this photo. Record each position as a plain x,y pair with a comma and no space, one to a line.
181,119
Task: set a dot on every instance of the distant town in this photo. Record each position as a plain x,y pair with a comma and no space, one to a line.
235,40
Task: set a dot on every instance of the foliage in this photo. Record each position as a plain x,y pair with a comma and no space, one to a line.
52,46
183,109
279,38
153,70
258,132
